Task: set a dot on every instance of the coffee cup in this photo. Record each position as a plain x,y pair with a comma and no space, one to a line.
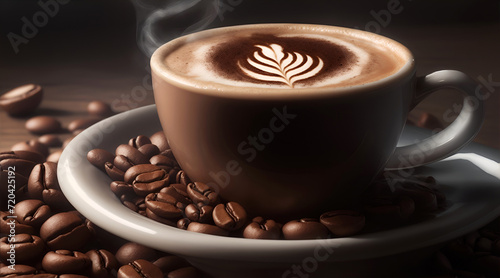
292,119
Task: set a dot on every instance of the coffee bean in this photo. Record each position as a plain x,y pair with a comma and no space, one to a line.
139,269
81,124
153,216
43,125
488,264
65,262
22,100
50,140
146,178
27,247
34,157
43,185
20,166
343,222
132,154
163,205
18,270
305,228
183,223
230,216
32,145
178,191
207,229
170,263
139,141
163,162
483,244
182,178
185,272
149,150
10,225
121,188
424,198
389,209
32,212
99,108
103,263
260,228
160,141
199,212
122,162
132,251
20,190
65,231
54,156
200,192
113,172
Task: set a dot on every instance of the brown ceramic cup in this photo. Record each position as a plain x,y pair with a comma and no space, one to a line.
284,152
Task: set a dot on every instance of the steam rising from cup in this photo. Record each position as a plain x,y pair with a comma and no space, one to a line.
159,21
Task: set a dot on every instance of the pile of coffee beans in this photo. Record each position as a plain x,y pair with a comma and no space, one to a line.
148,180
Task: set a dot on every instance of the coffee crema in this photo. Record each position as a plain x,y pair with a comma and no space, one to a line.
286,58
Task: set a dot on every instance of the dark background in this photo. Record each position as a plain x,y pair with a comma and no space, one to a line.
88,49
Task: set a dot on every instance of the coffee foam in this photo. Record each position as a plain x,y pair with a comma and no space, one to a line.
301,59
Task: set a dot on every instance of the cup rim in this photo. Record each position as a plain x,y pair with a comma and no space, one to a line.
160,70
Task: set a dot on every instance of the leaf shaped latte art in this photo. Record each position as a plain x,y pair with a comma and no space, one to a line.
282,67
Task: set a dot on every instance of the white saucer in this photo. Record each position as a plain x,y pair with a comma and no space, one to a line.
473,193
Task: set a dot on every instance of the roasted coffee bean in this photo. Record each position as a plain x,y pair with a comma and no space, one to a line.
168,153
103,263
149,150
9,225
146,178
22,100
133,202
170,263
113,172
185,272
81,124
65,231
178,191
132,251
34,157
27,247
50,140
132,154
207,229
32,212
17,271
153,216
99,108
121,188
19,166
54,156
163,205
305,228
43,125
139,269
230,216
32,145
20,189
122,162
160,141
260,228
65,262
183,223
343,222
139,141
200,192
424,198
98,157
483,244
163,162
43,185
199,212
385,209
182,178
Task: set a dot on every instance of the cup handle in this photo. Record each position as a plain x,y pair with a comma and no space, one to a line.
452,138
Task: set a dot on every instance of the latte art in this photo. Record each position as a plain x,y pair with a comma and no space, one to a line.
280,66
285,58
